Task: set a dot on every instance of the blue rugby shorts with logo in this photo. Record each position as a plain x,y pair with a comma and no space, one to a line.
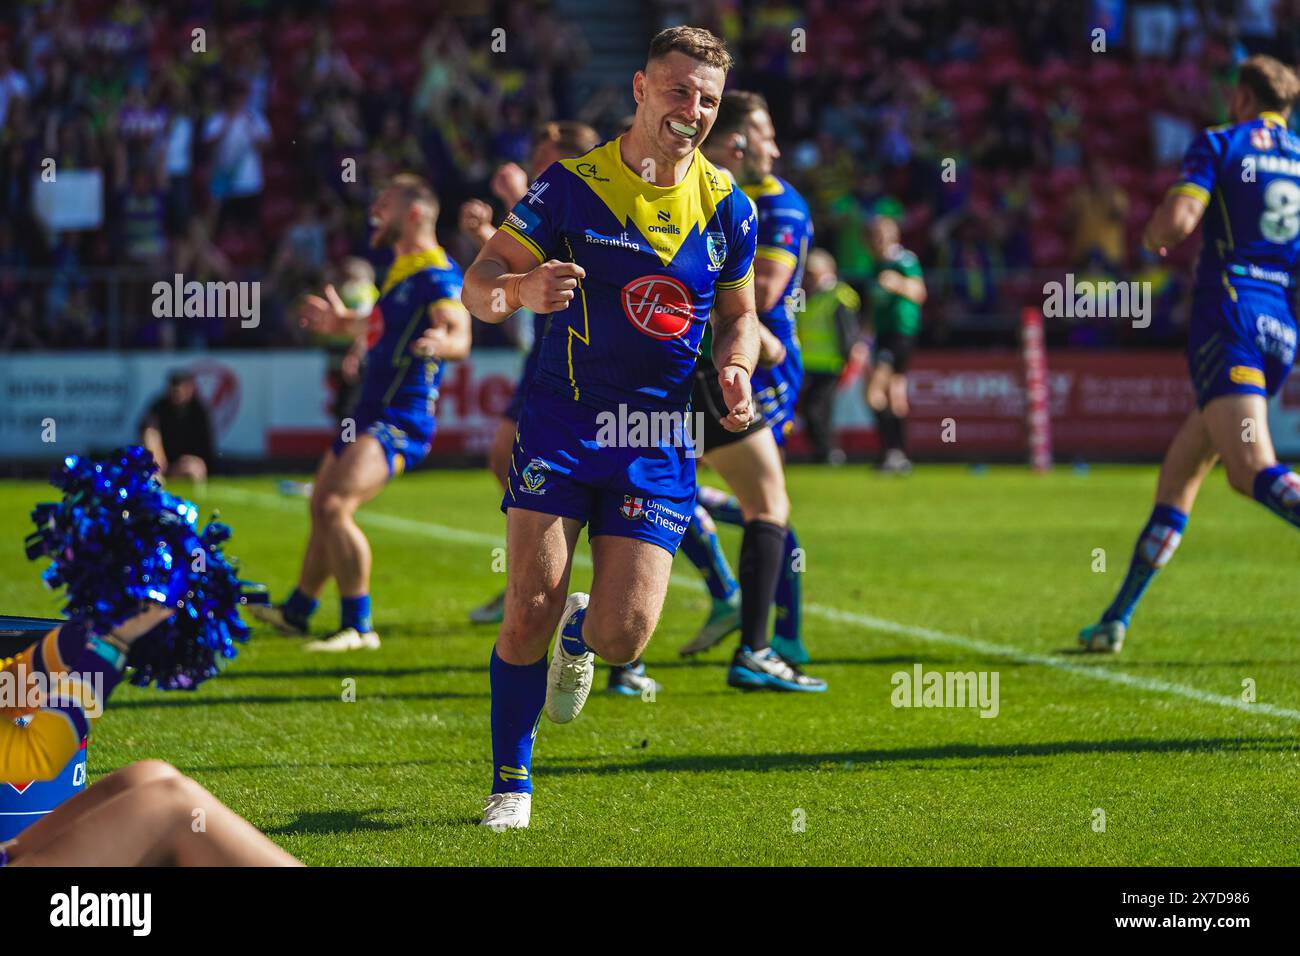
405,434
1240,343
562,465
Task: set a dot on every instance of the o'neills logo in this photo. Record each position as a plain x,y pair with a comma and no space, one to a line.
659,306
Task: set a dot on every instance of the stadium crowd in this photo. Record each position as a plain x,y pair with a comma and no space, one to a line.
242,139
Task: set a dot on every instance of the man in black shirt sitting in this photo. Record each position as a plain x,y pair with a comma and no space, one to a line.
176,429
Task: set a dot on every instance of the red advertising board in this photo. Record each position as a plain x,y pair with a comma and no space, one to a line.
1101,404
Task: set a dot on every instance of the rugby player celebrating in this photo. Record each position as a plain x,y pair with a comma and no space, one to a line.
1242,336
416,327
628,248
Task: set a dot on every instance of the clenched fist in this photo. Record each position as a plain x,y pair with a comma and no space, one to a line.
550,287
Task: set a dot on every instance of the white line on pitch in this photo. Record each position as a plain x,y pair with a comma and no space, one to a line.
440,532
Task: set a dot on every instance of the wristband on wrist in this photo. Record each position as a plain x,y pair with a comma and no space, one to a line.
110,652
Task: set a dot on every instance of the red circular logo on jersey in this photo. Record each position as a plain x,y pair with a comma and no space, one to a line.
659,306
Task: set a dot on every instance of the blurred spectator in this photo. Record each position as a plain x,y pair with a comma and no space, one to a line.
829,327
178,159
177,431
237,134
1098,216
968,261
13,85
20,333
924,110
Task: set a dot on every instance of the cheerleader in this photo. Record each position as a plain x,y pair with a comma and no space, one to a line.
146,814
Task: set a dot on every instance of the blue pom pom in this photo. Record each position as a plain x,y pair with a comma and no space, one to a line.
118,539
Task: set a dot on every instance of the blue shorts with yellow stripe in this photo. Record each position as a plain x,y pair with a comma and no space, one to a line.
564,463
1242,340
776,392
405,434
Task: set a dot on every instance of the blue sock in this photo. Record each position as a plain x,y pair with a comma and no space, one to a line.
299,608
722,506
1278,489
355,612
518,693
789,593
572,634
705,552
1155,546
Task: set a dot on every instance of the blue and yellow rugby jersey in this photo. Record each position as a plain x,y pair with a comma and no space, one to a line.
36,742
1242,334
785,234
1248,175
654,258
394,377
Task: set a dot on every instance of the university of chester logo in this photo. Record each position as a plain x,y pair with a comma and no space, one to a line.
658,306
633,507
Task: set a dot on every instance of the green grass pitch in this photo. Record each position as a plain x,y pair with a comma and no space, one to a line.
956,569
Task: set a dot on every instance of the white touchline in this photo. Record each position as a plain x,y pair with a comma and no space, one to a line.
438,532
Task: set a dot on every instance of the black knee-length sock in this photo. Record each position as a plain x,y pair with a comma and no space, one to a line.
762,548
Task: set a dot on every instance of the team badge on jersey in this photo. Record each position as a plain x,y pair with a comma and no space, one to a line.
1261,138
715,243
534,476
633,507
659,306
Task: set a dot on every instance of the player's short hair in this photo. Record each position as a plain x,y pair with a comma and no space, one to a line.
571,138
734,109
413,189
695,42
1273,83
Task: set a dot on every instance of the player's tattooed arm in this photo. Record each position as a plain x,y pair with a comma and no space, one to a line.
506,275
735,353
1174,220
448,335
